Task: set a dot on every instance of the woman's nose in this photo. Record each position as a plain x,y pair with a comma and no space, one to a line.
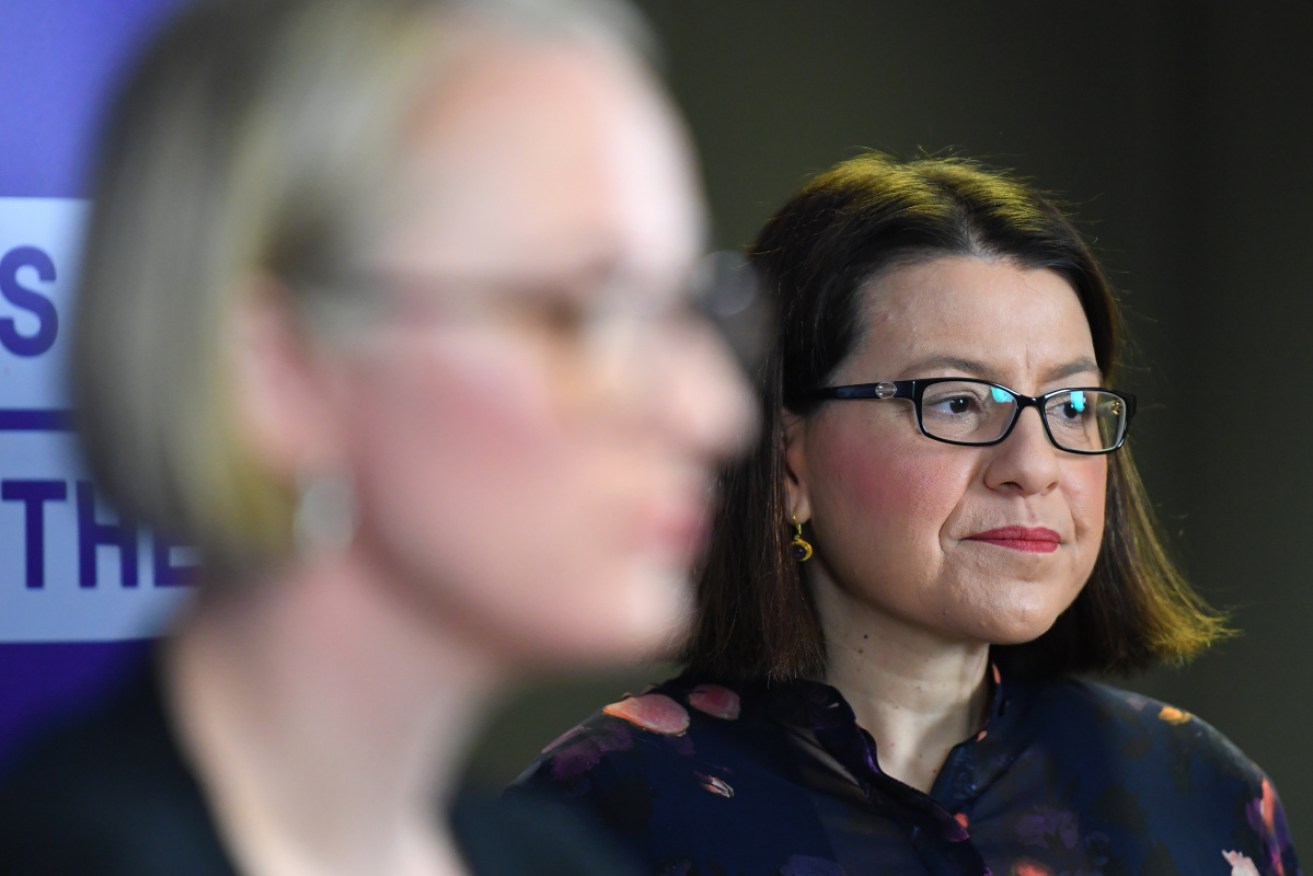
1026,460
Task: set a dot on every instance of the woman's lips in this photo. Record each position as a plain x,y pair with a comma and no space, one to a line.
1035,540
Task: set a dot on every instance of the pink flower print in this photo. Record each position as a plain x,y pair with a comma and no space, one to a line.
563,739
716,786
1241,865
714,700
1027,867
1173,715
655,712
577,752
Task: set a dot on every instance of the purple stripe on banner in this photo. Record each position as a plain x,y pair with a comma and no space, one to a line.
41,680
35,420
62,59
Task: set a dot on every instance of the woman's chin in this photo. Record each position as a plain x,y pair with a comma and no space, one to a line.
643,615
1017,625
1020,631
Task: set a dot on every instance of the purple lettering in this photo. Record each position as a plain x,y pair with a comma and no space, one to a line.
27,299
167,574
34,495
92,534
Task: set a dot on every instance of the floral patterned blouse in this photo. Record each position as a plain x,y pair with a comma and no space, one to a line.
1068,777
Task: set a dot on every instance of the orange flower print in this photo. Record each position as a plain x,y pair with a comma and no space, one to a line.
1265,817
1241,865
1173,715
655,712
714,700
1028,867
1268,808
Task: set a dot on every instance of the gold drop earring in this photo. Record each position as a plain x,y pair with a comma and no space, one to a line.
799,547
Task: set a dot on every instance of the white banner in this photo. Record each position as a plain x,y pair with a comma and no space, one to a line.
69,570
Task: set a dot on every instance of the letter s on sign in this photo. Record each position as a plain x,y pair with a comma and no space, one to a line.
34,302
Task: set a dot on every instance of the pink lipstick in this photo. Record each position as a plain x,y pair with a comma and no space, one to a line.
1035,540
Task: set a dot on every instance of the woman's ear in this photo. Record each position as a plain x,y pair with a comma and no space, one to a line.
281,384
794,438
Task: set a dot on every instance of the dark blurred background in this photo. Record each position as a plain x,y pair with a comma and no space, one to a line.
1178,133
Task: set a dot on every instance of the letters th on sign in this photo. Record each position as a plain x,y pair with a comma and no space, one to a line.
70,568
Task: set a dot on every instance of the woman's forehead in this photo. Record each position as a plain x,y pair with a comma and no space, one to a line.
986,317
607,177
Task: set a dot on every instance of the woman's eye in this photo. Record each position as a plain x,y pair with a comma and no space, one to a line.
1074,407
565,317
956,405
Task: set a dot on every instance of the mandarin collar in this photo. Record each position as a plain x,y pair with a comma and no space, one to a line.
971,766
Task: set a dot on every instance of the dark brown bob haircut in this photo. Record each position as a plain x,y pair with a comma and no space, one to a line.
755,617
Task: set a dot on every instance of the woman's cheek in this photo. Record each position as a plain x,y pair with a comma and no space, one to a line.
905,486
1089,506
886,504
1086,494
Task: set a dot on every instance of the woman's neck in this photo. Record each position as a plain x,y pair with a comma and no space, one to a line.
326,722
915,693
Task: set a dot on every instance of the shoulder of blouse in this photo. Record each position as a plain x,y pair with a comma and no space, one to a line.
1157,746
639,733
1100,715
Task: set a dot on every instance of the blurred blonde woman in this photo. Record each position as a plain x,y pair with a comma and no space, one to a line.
386,310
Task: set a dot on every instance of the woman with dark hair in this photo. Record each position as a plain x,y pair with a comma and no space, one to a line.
912,570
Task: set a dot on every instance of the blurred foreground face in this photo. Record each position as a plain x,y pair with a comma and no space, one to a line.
533,427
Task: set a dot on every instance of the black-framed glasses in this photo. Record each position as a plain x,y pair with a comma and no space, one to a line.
978,413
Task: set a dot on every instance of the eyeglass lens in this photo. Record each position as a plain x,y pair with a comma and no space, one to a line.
975,412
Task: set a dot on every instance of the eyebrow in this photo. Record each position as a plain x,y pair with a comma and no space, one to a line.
1082,365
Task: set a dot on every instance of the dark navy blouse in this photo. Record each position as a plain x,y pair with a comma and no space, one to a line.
1071,778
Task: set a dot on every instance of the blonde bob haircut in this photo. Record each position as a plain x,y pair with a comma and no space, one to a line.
251,139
